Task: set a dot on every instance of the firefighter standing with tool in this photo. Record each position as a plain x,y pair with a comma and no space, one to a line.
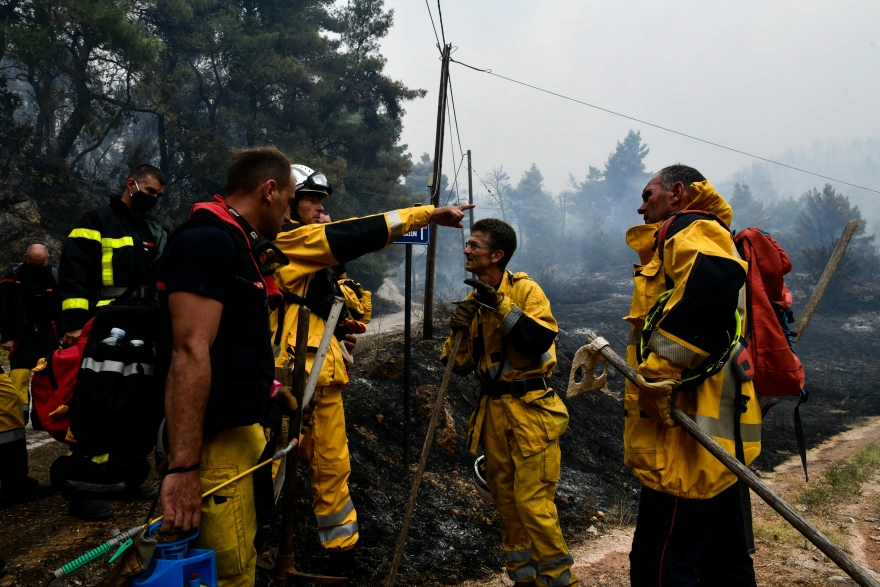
684,313
216,285
109,249
28,316
313,248
508,343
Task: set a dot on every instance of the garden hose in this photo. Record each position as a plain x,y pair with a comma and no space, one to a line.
123,539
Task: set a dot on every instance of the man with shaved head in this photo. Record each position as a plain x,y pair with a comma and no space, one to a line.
29,312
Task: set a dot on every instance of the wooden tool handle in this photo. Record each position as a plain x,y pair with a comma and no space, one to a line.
423,460
831,550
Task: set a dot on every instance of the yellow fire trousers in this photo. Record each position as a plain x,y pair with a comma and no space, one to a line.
325,447
21,379
523,489
229,517
11,416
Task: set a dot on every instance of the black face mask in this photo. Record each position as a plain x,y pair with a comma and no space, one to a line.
142,202
35,270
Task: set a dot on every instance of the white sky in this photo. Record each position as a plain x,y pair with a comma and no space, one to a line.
759,76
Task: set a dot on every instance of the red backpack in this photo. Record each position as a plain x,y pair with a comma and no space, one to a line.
778,370
52,387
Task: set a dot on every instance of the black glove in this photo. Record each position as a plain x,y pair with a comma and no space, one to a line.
27,415
463,315
486,294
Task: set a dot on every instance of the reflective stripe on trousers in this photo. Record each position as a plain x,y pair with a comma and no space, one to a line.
325,447
537,571
12,435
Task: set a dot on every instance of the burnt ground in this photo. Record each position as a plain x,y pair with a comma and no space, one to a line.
454,535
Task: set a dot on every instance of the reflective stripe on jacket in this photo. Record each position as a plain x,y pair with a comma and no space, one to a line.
517,343
108,248
314,247
701,266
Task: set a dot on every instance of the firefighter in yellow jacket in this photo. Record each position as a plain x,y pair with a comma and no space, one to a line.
687,317
508,343
313,248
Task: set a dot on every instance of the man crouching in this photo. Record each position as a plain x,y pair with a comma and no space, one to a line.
519,419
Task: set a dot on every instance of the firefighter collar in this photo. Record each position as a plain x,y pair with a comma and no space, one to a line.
270,256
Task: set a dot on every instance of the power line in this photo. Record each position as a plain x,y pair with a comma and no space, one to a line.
428,5
474,169
449,119
667,129
440,13
454,113
455,182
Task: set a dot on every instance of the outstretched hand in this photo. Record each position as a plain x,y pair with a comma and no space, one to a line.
450,215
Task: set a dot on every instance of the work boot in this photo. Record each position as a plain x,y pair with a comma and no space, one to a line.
90,510
141,493
144,492
28,489
2,566
342,563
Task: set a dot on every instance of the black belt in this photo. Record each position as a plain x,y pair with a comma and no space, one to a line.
516,388
142,293
294,298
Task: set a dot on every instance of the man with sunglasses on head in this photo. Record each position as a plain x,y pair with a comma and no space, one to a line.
216,286
508,343
313,248
109,250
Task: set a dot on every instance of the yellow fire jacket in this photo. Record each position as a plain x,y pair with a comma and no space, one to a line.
516,342
314,247
702,268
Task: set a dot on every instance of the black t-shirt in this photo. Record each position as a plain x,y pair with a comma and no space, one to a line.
203,259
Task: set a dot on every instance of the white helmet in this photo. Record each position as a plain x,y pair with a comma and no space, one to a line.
480,479
309,180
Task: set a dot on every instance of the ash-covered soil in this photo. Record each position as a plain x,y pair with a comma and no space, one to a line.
454,535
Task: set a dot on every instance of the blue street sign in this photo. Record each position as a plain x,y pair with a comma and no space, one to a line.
421,236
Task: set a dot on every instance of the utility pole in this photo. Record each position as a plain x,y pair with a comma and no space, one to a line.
470,201
435,184
470,189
